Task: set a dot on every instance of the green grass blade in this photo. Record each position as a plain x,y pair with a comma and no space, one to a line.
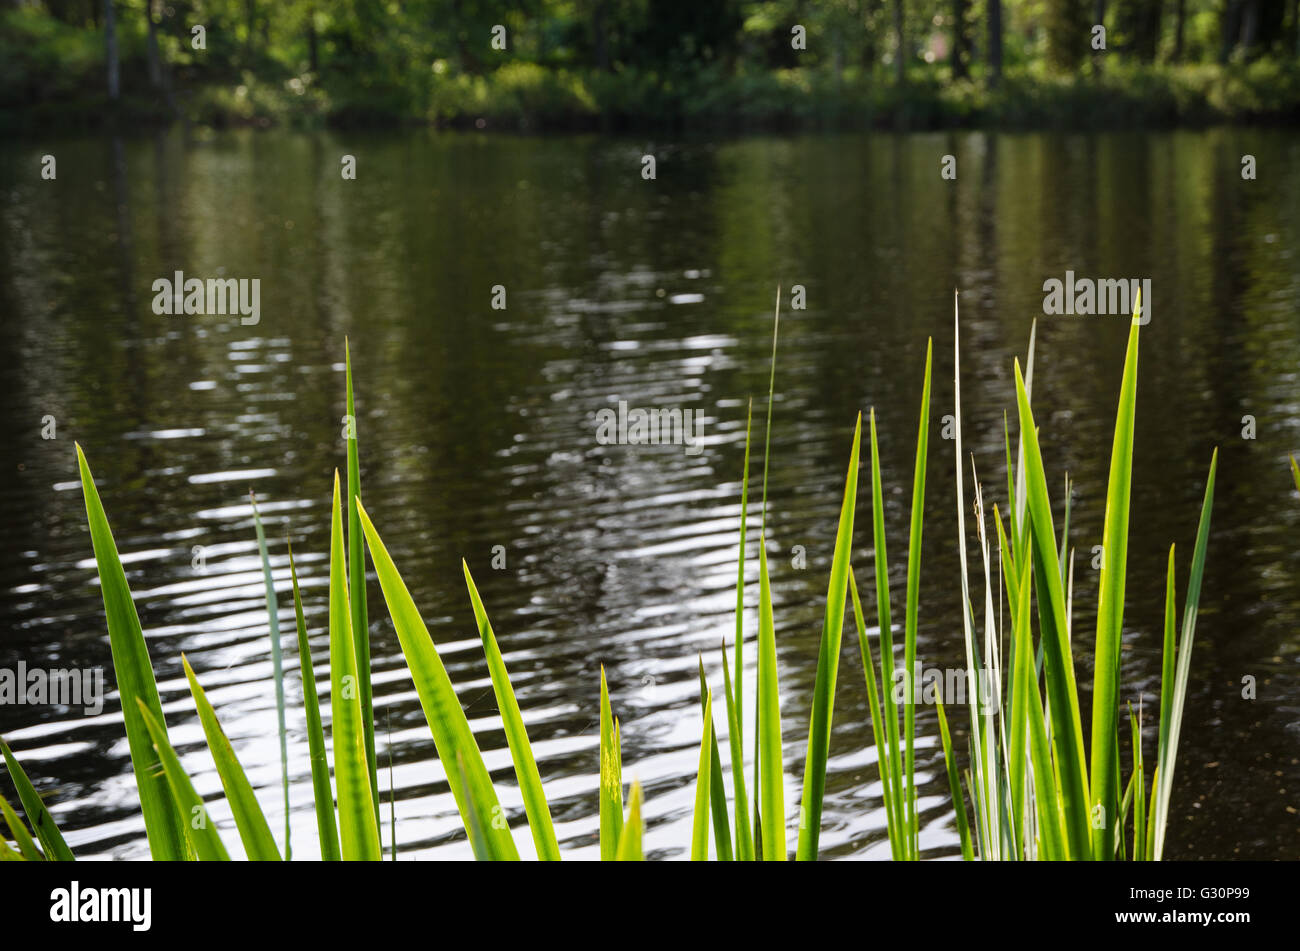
744,835
277,666
1011,488
521,750
630,839
954,785
357,826
740,671
326,824
1062,694
356,574
717,790
769,721
611,778
452,735
1169,749
700,824
739,738
1139,792
200,830
912,604
1046,788
22,838
828,662
254,830
135,680
978,782
1022,668
1167,668
892,819
476,826
887,662
7,853
392,786
1295,473
37,813
736,704
1110,611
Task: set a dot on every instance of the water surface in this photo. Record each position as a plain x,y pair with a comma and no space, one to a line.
477,430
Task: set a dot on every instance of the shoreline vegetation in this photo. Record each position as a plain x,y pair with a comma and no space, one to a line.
311,66
1035,795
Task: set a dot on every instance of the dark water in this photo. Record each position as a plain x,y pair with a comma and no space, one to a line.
477,426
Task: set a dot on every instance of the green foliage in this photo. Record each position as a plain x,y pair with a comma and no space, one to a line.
1029,781
715,64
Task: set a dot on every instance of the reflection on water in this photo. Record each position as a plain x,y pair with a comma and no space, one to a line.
477,429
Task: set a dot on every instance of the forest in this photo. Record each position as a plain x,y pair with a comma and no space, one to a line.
607,64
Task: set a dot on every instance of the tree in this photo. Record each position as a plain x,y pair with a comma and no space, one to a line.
900,46
995,41
961,43
1066,25
110,51
1180,16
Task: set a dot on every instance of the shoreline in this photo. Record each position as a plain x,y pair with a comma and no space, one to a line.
1263,93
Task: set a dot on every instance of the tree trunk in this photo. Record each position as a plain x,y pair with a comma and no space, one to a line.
1180,14
1098,19
151,47
1147,30
158,76
1250,27
960,53
601,41
110,44
867,23
995,41
900,51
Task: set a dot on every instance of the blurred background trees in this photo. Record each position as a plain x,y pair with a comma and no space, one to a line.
379,60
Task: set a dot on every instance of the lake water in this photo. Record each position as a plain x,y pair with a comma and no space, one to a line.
477,429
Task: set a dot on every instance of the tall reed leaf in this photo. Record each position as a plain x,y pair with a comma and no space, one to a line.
772,777
22,838
828,663
954,784
37,814
452,735
745,836
199,828
357,823
1062,694
735,705
700,824
889,792
717,791
1110,611
323,791
521,750
611,778
135,681
357,591
913,601
887,662
277,666
1168,751
630,847
254,831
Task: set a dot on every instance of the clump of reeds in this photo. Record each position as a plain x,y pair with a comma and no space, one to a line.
1032,793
